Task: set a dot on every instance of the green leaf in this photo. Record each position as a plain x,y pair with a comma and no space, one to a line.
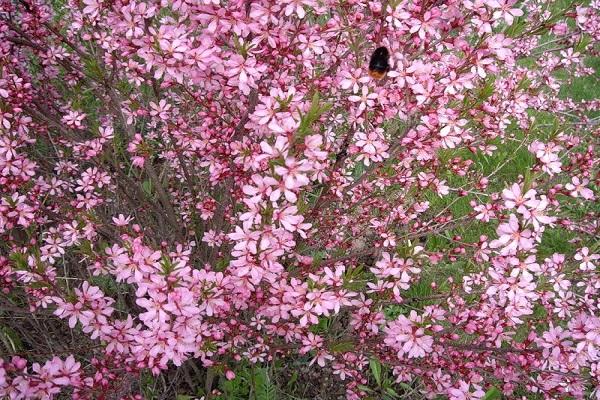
342,347
265,389
40,285
322,326
166,264
365,388
527,181
19,260
492,394
10,339
314,113
292,380
238,388
517,27
486,91
525,83
359,169
147,186
583,42
221,264
376,370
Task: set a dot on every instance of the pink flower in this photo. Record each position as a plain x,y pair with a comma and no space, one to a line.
293,173
371,146
547,154
290,220
121,220
92,7
407,336
311,342
423,92
534,212
311,45
160,110
74,119
484,212
320,302
525,267
279,149
313,145
505,11
453,131
569,57
246,239
512,238
73,311
425,27
297,7
514,198
244,72
365,100
65,372
555,342
156,312
577,188
352,79
464,392
501,46
587,259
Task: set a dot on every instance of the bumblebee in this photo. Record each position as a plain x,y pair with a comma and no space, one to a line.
379,65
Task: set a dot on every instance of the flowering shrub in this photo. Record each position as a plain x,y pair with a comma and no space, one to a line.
190,187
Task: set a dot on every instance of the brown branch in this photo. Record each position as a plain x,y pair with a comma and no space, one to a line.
164,198
350,256
24,42
252,103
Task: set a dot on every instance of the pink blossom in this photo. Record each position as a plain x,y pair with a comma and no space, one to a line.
405,336
365,100
121,220
587,259
505,11
297,7
578,188
286,204
514,198
371,146
512,238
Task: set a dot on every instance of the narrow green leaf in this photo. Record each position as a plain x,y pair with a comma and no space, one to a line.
342,347
19,260
583,42
492,394
527,181
292,380
11,339
147,186
376,370
365,388
265,389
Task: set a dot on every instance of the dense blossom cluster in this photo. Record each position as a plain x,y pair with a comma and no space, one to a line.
218,180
